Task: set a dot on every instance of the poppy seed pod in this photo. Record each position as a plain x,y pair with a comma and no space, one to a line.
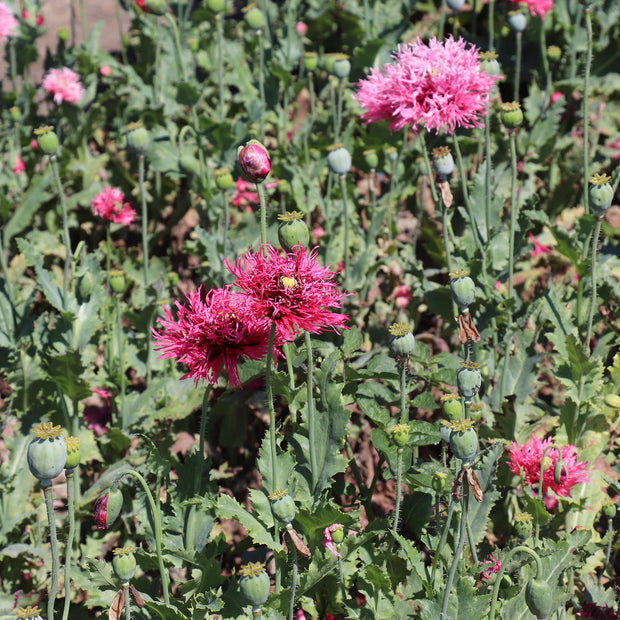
489,63
253,16
137,137
293,230
443,162
401,340
451,406
254,584
512,115
462,288
469,380
341,67
156,7
124,563
254,161
283,506
311,61
47,453
224,179
73,453
371,158
517,21
523,525
216,6
600,194
464,440
455,5
47,139
338,159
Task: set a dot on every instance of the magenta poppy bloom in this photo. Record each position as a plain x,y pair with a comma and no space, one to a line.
437,86
537,7
294,290
212,334
109,204
254,161
8,22
526,459
64,84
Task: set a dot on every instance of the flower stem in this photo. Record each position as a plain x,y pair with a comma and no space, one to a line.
487,176
145,222
70,537
127,604
491,6
65,227
219,32
444,537
49,505
157,531
177,47
263,216
519,38
121,360
399,489
293,586
442,19
545,62
314,463
586,96
345,210
261,83
470,535
339,111
595,238
119,20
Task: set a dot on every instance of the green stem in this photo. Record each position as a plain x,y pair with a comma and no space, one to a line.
606,565
399,489
145,223
261,83
157,531
293,586
470,535
429,169
119,21
127,604
177,46
404,411
121,358
502,570
487,177
13,64
314,462
491,6
49,505
332,97
345,210
70,537
219,32
263,216
595,239
545,62
519,38
456,558
339,111
444,537
586,98
310,121
65,227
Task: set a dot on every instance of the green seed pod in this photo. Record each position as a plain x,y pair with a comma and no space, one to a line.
224,179
489,63
338,534
293,231
438,481
341,67
137,137
371,158
216,6
539,598
600,194
283,506
338,159
517,21
512,115
609,509
16,114
469,380
443,162
462,288
189,165
451,406
392,153
613,401
475,411
401,339
311,61
554,53
47,454
118,282
253,16
254,584
156,7
523,525
47,139
73,452
400,434
124,563
464,441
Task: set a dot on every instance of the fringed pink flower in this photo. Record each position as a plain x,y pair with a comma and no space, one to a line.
437,86
64,84
216,330
328,540
294,290
8,22
525,460
109,204
537,7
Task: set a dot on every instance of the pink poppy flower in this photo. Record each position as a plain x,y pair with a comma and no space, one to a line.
539,248
8,22
328,541
212,334
294,290
537,7
246,195
402,296
317,233
489,572
437,86
64,84
109,205
301,28
20,166
105,70
526,459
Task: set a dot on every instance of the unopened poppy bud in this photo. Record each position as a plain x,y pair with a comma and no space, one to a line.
254,584
517,21
558,471
400,435
371,158
600,194
512,115
539,598
107,508
283,506
443,162
73,453
311,61
469,380
254,161
156,7
253,16
189,165
462,288
401,340
293,230
137,137
124,563
338,159
47,453
47,140
16,114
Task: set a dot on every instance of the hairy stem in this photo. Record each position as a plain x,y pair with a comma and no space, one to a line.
49,505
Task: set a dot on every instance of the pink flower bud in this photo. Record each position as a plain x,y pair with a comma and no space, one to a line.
301,28
254,161
105,70
107,508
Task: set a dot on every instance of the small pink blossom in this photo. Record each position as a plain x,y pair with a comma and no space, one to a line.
317,233
34,145
402,296
556,96
8,22
539,248
20,166
39,18
525,459
489,572
328,541
64,84
109,204
537,7
301,28
105,70
246,195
